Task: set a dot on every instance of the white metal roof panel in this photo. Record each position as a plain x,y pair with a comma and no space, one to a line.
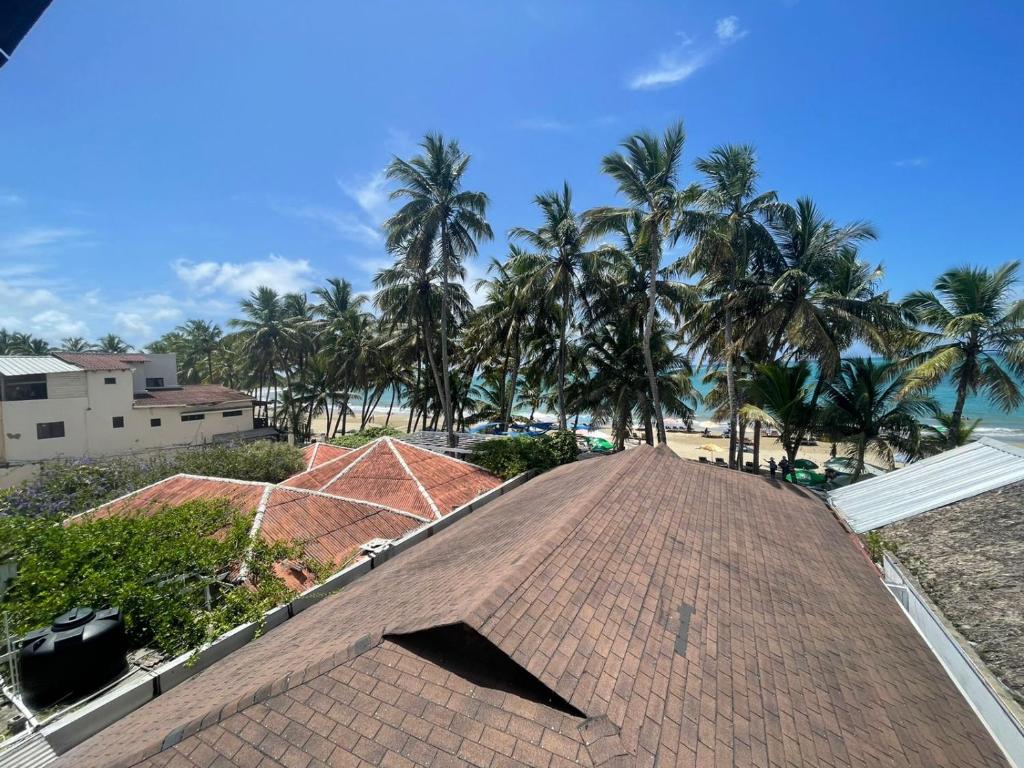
951,476
25,365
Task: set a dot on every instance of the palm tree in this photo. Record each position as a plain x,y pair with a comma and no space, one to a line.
439,221
647,174
780,396
561,241
869,409
113,344
75,344
201,340
265,333
972,329
935,438
731,239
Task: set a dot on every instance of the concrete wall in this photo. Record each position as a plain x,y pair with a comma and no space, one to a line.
89,420
164,366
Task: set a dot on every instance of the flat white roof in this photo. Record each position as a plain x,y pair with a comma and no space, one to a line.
25,365
952,476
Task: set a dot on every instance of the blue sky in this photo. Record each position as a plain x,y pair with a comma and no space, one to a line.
159,160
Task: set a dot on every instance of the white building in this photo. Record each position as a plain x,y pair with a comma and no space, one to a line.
86,404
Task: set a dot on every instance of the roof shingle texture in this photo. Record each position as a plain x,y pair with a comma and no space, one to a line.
316,454
793,653
192,394
97,361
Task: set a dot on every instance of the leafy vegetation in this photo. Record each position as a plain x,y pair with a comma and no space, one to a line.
165,572
507,457
364,436
67,488
876,544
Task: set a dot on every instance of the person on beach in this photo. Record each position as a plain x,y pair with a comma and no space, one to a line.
772,467
784,466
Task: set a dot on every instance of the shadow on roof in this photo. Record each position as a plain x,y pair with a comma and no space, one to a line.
466,653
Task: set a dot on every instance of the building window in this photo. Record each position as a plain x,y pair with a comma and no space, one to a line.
231,413
154,422
119,422
154,383
25,387
110,380
49,429
193,416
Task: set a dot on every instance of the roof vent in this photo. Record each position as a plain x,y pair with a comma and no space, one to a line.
375,546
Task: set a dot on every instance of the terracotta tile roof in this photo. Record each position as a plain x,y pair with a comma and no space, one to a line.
692,616
192,394
330,529
319,453
399,475
96,361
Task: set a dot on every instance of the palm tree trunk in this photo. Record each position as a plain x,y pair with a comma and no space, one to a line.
516,362
757,446
432,360
952,436
447,395
394,391
730,383
561,355
652,377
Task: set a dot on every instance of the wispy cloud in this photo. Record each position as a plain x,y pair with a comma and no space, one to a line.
728,31
911,162
344,223
686,58
38,237
10,199
371,195
543,124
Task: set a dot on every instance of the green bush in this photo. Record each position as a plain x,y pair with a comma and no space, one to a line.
876,543
156,569
361,438
67,488
507,457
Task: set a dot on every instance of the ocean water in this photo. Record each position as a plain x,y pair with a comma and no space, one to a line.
994,422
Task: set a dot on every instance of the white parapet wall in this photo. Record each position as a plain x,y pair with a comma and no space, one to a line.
993,704
72,728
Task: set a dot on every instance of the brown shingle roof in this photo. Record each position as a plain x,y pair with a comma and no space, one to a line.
694,617
95,361
398,475
192,394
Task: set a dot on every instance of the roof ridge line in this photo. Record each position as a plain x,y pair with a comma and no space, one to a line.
390,443
220,479
352,500
123,497
254,530
366,452
312,458
435,453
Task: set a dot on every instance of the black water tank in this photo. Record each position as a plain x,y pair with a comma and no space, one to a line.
81,651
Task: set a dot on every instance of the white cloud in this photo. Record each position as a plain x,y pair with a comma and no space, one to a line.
132,324
672,68
240,278
10,199
12,295
911,162
683,61
543,124
727,30
371,196
54,325
37,237
345,224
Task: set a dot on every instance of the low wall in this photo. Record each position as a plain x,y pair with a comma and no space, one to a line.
993,704
17,474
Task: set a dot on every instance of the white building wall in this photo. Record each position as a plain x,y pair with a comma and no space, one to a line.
164,366
89,420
